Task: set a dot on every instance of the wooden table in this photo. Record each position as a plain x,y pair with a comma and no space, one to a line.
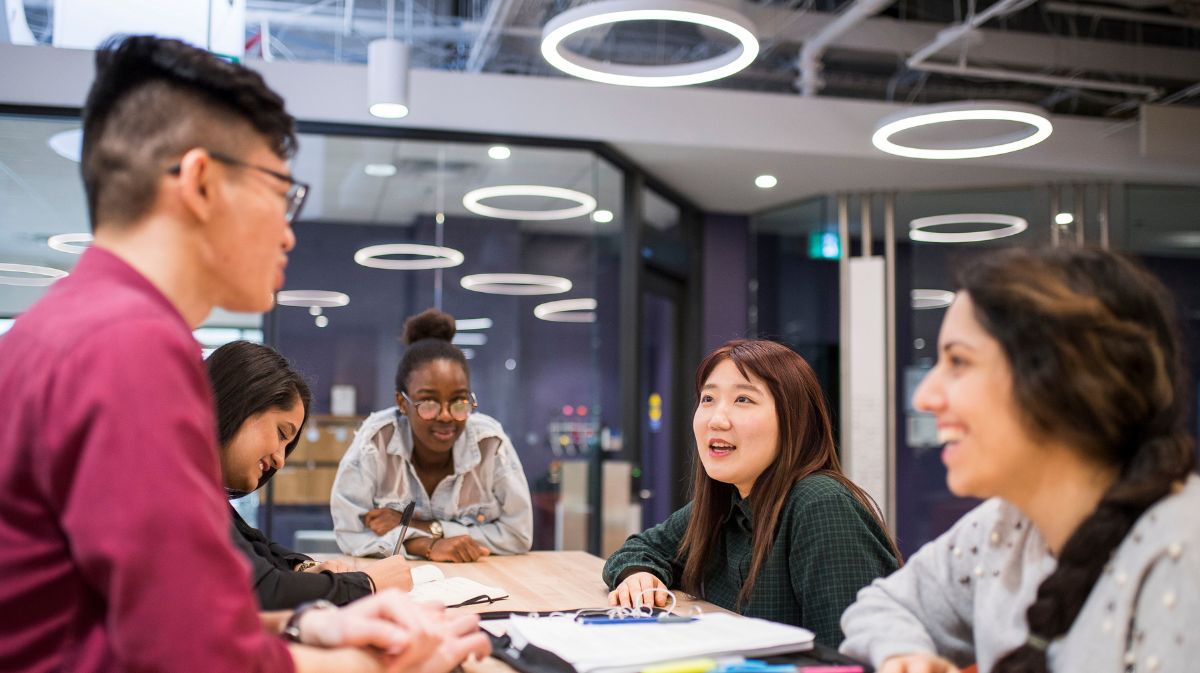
544,581
539,581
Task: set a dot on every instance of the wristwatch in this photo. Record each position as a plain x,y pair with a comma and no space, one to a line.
291,631
435,530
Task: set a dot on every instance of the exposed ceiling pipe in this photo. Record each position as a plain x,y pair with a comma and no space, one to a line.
486,40
1035,78
814,48
1121,15
956,32
348,19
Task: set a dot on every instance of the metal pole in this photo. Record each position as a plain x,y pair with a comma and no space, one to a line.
1103,215
893,414
1053,215
865,204
1079,192
843,213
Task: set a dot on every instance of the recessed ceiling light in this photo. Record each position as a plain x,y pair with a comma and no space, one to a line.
567,310
435,257
380,170
608,12
765,181
67,144
602,216
929,299
471,201
321,320
41,275
315,310
1064,218
473,323
499,152
515,283
311,298
1039,128
68,243
1011,226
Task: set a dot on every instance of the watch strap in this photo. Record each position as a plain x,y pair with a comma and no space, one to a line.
291,630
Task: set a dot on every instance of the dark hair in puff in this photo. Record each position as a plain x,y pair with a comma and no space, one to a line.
428,336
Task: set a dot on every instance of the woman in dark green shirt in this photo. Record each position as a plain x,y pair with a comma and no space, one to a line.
774,530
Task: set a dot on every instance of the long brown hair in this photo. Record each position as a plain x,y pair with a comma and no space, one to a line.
805,448
1091,339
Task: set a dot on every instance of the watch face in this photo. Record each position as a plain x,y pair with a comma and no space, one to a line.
435,529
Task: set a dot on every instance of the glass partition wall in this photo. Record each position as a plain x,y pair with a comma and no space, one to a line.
520,240
795,289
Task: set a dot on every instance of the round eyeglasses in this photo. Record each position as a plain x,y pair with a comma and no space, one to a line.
459,408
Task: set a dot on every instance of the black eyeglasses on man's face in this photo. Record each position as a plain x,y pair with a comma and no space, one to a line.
296,193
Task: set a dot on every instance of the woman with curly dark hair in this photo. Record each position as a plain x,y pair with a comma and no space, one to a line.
1059,395
432,449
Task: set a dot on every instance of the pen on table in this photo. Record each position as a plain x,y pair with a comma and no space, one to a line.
404,519
661,619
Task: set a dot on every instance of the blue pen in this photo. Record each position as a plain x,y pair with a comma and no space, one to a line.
663,619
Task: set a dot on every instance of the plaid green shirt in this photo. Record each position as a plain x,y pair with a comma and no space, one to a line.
827,547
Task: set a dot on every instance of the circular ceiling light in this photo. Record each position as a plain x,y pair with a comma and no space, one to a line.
567,310
923,300
1039,128
312,298
602,216
67,144
321,321
515,283
67,243
435,257
607,12
471,201
1064,218
380,170
765,181
1011,225
499,152
41,275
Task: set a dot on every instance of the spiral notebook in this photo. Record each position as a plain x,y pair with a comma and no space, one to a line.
431,585
619,648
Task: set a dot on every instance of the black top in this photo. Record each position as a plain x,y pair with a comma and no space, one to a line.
278,586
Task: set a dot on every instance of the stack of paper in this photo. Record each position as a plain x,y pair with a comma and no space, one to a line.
615,648
431,585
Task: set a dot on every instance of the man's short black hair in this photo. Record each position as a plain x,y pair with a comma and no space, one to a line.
154,99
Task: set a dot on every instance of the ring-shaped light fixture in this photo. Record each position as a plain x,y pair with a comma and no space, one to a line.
434,257
923,300
67,243
312,298
1010,225
1039,128
567,310
515,283
42,275
607,12
471,201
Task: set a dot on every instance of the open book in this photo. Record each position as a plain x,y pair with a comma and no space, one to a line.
429,584
620,648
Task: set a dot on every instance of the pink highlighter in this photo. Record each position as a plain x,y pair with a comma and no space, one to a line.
830,669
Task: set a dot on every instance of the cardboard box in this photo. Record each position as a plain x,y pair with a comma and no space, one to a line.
325,439
301,485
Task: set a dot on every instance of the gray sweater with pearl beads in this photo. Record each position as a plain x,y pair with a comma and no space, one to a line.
964,596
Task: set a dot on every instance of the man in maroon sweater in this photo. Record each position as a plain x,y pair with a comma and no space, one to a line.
114,533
